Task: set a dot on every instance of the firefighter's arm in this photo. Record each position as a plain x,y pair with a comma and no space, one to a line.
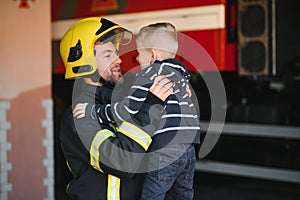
102,147
119,153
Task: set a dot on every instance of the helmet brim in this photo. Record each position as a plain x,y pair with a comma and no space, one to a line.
117,35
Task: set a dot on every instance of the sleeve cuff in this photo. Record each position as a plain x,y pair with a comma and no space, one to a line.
90,111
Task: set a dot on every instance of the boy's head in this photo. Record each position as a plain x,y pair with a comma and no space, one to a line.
156,42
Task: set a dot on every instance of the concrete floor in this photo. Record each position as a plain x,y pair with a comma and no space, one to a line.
221,187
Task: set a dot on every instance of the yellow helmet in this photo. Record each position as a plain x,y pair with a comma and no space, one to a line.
77,45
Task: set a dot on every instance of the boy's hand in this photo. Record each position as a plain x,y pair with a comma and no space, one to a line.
79,110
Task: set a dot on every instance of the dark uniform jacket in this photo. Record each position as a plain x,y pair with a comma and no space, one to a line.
99,156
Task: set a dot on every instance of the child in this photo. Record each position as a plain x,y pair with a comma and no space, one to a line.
172,160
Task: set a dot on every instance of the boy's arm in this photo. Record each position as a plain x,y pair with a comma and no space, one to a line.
120,111
137,108
148,113
143,107
102,112
139,94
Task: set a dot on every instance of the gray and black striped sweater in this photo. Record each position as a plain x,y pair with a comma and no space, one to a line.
179,122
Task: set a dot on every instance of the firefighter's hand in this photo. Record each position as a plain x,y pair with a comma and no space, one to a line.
79,110
162,87
188,90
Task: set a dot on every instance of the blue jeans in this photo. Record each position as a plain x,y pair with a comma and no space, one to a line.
175,167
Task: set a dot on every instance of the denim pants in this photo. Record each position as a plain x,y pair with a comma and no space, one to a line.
174,168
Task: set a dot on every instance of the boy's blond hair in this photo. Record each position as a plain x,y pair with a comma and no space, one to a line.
161,36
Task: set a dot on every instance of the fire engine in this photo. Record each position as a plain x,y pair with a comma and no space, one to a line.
252,44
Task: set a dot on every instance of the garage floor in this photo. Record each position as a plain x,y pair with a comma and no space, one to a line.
221,187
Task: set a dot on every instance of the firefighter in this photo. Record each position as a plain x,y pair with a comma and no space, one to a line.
103,158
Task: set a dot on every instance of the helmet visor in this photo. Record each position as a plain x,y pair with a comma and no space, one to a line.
118,36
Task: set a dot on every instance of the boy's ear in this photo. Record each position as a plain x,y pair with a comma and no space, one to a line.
153,55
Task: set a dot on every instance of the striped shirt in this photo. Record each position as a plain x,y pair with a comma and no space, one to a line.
179,120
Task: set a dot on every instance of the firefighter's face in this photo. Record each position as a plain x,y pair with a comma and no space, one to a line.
108,61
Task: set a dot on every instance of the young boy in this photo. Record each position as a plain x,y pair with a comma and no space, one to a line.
171,163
